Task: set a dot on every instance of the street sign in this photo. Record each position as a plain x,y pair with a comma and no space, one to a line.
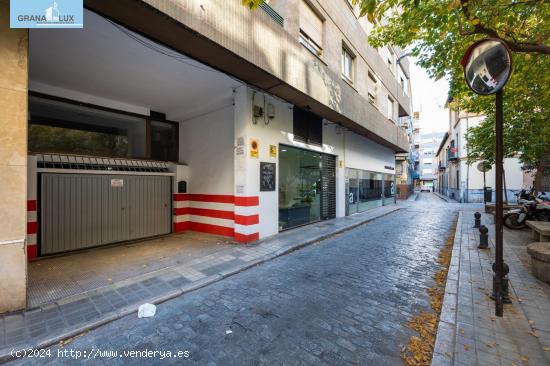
484,166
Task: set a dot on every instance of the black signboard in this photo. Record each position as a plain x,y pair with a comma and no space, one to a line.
267,176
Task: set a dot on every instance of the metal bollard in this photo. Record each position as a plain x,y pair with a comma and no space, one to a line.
483,237
477,221
505,290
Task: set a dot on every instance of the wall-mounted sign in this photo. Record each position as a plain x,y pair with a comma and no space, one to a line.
117,183
273,151
268,176
254,146
340,163
241,148
389,167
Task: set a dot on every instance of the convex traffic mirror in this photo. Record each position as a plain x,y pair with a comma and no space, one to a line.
487,66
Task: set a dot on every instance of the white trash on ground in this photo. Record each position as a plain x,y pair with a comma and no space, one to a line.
147,310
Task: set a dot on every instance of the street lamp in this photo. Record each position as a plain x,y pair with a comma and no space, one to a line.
487,67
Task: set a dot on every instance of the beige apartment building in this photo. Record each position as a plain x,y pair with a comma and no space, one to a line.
229,121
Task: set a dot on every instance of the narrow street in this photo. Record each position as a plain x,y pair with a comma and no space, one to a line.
345,300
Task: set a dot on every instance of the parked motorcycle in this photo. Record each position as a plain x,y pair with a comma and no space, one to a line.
534,208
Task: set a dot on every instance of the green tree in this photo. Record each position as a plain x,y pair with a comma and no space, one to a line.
438,32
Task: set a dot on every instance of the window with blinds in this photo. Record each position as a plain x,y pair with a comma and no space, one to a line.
311,29
390,108
372,88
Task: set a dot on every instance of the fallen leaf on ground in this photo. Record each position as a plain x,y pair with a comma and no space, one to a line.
64,342
419,350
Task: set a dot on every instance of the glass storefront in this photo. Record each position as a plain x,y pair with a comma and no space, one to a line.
57,126
300,189
366,190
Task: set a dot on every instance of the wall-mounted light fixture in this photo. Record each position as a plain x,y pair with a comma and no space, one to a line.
270,112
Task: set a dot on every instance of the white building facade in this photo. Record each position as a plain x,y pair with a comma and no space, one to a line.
158,118
465,183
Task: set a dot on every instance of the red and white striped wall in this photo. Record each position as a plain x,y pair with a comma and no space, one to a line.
32,229
224,215
247,218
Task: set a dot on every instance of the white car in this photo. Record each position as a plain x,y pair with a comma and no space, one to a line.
425,188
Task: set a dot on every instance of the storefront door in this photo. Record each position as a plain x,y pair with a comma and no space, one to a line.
306,187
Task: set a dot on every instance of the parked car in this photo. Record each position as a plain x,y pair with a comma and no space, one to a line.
425,188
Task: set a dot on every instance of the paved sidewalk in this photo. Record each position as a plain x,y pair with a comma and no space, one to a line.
469,333
445,198
71,316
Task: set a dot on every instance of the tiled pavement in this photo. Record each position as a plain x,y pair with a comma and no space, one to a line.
469,333
64,318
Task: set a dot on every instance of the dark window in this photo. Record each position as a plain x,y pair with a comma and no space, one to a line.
308,127
164,141
60,127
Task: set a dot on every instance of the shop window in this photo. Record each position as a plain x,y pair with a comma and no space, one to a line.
311,29
299,187
389,189
308,127
364,190
60,127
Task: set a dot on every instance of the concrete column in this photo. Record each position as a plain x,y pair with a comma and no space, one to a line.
247,168
13,162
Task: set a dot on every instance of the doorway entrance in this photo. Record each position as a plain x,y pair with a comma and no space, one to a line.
307,187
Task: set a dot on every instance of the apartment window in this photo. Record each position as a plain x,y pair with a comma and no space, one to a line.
372,88
311,29
403,80
390,108
307,127
347,64
390,59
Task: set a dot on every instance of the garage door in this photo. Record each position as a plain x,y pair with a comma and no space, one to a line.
86,210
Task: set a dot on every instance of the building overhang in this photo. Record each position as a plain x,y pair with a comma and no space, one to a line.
184,31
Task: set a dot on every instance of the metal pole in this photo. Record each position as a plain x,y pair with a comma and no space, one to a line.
498,209
484,187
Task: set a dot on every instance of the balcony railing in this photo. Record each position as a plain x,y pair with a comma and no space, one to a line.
452,153
272,13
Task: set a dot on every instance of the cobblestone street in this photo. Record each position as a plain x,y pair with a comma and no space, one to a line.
344,300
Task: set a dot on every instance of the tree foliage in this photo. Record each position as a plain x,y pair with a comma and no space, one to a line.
438,32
